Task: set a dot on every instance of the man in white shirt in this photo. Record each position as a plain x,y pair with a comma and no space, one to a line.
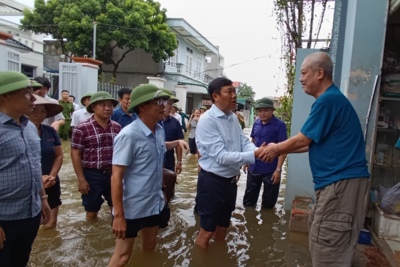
175,114
57,120
82,114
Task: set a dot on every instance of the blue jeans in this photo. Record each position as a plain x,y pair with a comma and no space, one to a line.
100,186
253,187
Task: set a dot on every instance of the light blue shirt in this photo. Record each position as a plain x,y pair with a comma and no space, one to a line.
222,144
143,153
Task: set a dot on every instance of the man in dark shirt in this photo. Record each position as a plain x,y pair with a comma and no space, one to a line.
23,201
267,129
121,114
173,131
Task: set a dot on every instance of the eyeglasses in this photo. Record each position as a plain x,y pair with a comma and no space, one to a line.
161,102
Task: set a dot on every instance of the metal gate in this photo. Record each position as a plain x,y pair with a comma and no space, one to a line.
69,79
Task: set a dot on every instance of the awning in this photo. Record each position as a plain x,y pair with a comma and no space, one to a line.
241,101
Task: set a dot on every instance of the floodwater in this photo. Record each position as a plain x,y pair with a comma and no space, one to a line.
257,237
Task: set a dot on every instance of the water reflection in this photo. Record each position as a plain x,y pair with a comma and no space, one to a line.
257,237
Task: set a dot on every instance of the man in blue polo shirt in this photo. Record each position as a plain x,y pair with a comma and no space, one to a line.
333,137
267,129
137,175
121,114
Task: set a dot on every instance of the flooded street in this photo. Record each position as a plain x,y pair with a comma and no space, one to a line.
257,237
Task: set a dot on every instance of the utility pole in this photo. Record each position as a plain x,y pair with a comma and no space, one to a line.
94,39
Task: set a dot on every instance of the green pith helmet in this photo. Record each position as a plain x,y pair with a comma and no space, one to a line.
265,103
11,81
100,96
89,95
144,93
171,95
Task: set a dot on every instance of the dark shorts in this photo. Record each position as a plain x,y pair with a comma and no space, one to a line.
216,199
135,225
54,194
100,186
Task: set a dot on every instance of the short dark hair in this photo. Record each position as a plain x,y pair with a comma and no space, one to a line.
43,81
72,97
124,91
216,85
65,91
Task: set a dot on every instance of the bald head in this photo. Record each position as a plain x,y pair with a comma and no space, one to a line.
320,60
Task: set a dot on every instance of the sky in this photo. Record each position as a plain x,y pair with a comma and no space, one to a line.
246,33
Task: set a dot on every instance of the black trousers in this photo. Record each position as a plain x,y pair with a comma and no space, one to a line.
253,187
20,235
192,146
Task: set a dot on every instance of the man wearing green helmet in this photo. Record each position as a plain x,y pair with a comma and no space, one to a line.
23,201
82,114
267,129
173,131
91,153
137,174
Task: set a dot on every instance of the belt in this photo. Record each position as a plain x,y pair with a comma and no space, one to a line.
232,180
99,170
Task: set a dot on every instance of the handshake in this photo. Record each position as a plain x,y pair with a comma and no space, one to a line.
267,153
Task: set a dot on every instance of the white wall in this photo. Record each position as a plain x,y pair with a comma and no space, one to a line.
34,41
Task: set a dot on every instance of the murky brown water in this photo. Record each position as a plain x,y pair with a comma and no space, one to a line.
257,237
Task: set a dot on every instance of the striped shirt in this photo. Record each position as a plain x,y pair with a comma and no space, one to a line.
20,170
95,143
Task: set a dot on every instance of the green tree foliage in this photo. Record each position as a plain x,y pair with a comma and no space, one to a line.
124,24
300,22
246,92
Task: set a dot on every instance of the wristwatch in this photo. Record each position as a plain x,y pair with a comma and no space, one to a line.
179,162
44,197
278,170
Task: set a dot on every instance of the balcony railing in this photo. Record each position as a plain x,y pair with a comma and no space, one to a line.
180,68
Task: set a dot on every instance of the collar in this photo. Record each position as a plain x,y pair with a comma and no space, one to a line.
271,121
144,127
4,119
219,113
121,111
92,120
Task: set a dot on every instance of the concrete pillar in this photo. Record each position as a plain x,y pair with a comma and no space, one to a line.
80,77
299,181
197,101
157,81
181,94
3,50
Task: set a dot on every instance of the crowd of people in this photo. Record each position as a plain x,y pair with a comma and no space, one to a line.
124,151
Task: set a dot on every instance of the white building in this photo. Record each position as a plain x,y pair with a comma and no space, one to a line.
21,51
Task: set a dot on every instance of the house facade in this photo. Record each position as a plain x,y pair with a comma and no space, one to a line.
20,50
196,62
